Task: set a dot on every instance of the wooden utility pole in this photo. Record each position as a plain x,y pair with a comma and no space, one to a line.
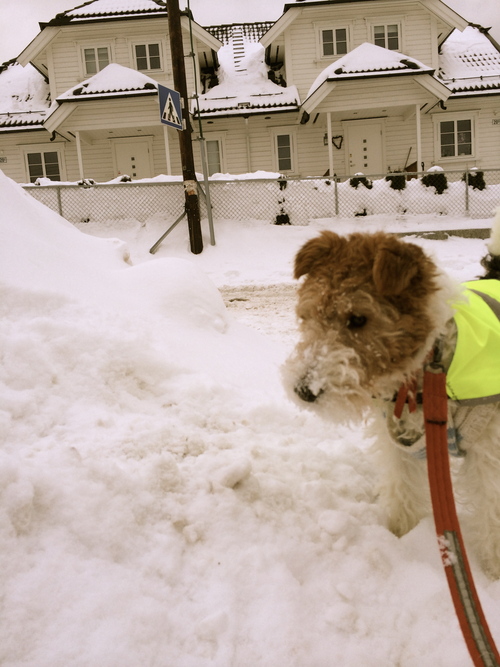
185,144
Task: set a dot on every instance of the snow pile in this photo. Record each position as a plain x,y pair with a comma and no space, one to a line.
468,54
245,81
22,89
162,502
112,7
112,78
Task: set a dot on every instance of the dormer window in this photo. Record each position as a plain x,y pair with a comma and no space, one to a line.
95,59
388,36
147,56
334,41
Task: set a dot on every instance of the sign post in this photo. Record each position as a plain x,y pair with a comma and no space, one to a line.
173,113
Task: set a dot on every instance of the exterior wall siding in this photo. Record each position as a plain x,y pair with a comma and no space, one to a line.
65,52
416,24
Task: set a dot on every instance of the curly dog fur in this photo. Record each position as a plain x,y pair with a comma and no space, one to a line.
370,308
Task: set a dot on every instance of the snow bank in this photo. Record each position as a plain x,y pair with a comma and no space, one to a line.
161,501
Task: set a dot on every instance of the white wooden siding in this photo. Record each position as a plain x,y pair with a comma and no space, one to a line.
301,42
65,52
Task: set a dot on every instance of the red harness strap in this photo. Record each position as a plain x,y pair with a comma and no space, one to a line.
470,615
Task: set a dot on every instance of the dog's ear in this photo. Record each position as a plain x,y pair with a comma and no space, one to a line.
396,264
317,252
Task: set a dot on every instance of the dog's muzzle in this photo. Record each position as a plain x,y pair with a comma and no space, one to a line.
305,393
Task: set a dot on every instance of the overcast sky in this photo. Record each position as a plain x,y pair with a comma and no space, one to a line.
19,19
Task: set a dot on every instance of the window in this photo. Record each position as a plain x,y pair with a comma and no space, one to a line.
43,165
284,152
387,36
95,59
147,56
455,137
334,42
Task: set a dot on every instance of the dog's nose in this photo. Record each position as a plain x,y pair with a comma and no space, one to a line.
305,393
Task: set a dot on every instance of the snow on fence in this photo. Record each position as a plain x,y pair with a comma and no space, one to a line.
282,200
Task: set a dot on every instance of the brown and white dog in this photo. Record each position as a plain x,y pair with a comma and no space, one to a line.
371,308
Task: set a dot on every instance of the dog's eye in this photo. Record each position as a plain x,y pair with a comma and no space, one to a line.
356,321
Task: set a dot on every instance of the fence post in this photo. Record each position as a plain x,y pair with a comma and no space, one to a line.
335,181
59,202
466,179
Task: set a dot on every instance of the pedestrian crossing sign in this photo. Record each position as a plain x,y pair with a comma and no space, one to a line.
170,107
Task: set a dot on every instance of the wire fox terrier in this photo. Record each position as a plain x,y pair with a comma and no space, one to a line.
371,310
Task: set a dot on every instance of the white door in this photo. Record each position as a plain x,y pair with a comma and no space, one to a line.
365,148
133,159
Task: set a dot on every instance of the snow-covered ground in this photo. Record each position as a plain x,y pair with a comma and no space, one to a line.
162,502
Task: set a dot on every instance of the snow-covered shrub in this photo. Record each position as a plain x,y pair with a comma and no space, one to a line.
282,219
475,178
435,177
360,178
86,182
396,181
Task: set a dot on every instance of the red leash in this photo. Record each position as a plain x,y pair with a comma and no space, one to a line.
470,615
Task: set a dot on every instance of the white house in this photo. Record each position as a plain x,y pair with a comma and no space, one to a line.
333,86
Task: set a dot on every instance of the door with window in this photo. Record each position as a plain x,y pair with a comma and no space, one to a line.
365,148
133,158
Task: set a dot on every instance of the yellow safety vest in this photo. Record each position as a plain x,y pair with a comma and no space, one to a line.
474,373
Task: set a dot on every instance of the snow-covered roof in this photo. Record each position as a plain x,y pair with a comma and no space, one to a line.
369,60
469,63
24,97
112,80
244,85
110,8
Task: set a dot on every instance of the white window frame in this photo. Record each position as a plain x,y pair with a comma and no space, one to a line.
93,44
385,22
321,28
443,118
147,41
292,133
95,49
45,148
221,139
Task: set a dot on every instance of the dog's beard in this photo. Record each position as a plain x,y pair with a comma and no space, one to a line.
331,381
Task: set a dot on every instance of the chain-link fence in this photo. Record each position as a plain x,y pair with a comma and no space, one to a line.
473,193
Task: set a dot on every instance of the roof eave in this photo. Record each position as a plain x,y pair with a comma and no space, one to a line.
201,34
106,96
233,113
379,74
474,93
21,128
445,13
37,45
280,26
